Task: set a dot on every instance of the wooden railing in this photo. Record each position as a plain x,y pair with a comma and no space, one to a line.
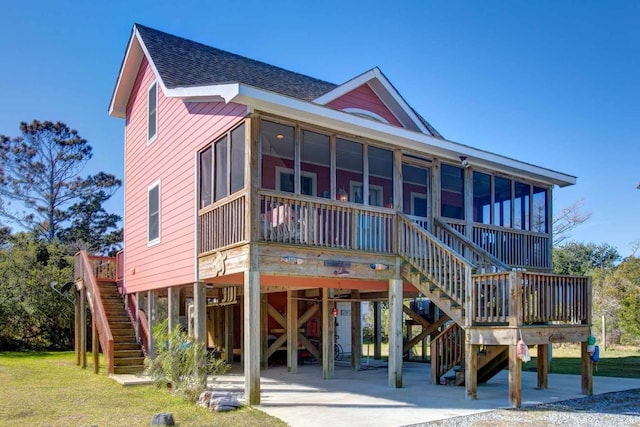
440,264
483,261
87,272
222,224
447,351
517,248
133,311
120,266
325,223
541,298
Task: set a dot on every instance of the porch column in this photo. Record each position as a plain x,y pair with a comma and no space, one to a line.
228,333
95,345
151,321
587,371
83,327
471,368
328,335
515,377
292,331
377,330
173,308
200,312
356,331
543,365
395,333
251,349
264,333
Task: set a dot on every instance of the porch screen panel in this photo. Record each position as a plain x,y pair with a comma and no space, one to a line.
315,164
502,202
481,198
221,168
521,201
415,193
277,147
539,221
349,171
380,177
237,159
206,177
452,191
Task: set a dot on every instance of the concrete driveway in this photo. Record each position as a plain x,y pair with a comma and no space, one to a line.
362,398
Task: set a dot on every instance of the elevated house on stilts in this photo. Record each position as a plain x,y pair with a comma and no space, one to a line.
258,199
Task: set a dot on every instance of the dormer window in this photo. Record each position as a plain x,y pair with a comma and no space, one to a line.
366,114
152,113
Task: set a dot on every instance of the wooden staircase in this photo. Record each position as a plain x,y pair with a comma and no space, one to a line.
441,267
127,352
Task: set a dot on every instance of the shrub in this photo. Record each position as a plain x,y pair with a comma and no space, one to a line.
181,364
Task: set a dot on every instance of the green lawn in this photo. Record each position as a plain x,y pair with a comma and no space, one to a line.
48,389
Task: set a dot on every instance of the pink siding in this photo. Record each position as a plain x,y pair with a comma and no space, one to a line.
364,98
183,129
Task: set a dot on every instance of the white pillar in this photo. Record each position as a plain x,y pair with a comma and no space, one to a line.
328,334
395,333
200,312
151,321
173,308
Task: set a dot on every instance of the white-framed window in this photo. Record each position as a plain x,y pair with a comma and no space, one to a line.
152,112
356,193
285,181
419,205
153,214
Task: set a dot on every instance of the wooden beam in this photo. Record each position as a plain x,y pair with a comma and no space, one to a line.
83,328
264,332
292,332
356,331
395,333
94,345
199,312
543,366
471,369
173,308
228,335
76,327
426,332
309,346
252,321
328,335
515,377
377,331
151,321
416,317
586,368
275,315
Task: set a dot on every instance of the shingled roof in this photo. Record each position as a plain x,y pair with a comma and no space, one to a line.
184,63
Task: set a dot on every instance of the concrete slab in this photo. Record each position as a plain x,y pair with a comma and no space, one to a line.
363,398
131,379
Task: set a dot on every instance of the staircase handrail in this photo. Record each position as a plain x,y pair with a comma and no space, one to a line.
443,266
476,251
447,351
88,280
143,332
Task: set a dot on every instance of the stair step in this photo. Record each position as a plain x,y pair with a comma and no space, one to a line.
126,346
123,333
119,354
128,369
120,325
128,361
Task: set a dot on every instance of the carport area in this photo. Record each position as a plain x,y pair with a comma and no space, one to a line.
363,398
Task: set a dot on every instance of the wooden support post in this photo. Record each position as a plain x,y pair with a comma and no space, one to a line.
137,316
151,321
395,333
543,366
292,331
471,368
377,330
264,332
94,346
83,328
587,371
199,312
241,305
76,327
252,349
228,335
328,335
356,331
173,308
515,377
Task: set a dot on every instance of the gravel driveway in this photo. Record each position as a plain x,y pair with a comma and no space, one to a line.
602,410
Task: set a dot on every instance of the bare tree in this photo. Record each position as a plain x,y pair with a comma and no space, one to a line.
567,219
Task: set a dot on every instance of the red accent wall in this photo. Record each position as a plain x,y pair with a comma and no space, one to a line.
364,98
183,129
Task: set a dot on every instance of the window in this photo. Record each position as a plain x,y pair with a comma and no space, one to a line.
277,144
315,160
415,188
349,167
502,202
152,113
540,208
380,176
521,200
222,167
284,181
153,209
452,195
481,197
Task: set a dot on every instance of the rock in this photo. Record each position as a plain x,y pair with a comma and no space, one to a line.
218,401
163,419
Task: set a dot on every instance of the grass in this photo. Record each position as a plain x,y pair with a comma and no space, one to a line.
41,389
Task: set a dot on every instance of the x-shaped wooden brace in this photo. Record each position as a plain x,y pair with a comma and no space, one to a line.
427,328
275,315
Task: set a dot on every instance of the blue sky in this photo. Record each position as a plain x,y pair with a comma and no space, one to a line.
556,84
